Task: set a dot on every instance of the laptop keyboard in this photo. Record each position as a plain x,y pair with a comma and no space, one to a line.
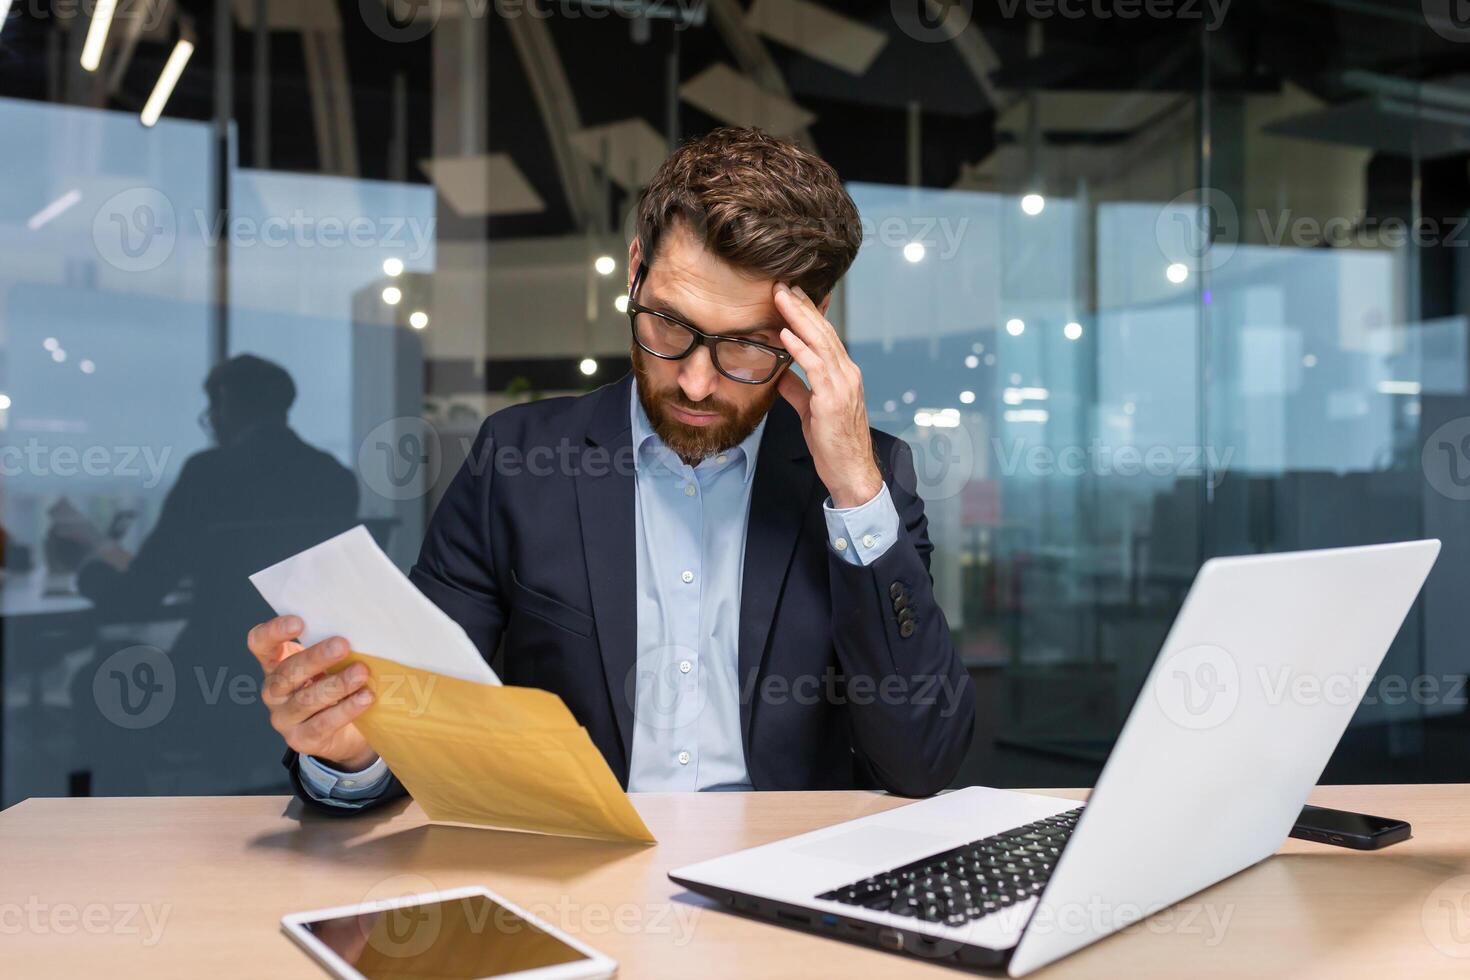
971,881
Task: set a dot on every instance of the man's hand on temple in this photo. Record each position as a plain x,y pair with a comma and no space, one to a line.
834,418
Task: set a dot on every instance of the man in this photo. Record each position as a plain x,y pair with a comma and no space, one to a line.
229,513
728,590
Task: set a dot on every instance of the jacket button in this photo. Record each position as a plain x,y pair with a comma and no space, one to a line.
895,590
906,616
901,603
906,630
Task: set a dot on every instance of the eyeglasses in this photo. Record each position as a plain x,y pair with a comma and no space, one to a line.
671,339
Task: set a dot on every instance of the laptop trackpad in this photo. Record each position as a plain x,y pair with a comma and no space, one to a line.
876,846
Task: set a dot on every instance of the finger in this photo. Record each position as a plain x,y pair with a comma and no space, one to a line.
821,326
265,639
798,318
291,674
318,696
324,724
810,361
795,392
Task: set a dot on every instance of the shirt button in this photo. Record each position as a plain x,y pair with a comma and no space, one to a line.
688,576
349,782
684,758
688,489
685,666
722,459
869,541
840,544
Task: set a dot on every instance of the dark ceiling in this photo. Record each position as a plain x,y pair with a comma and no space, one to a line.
862,121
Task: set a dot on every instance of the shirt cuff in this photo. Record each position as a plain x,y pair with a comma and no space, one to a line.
345,789
860,535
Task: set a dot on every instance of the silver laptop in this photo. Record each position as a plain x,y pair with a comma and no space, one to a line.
1254,687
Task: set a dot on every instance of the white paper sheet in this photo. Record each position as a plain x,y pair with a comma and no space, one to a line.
347,587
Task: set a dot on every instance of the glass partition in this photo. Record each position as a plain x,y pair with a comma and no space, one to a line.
1138,291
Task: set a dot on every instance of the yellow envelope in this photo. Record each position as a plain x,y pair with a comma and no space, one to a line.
512,758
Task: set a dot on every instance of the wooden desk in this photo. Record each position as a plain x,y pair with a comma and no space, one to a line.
79,878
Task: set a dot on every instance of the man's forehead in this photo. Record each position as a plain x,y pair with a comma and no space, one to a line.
696,290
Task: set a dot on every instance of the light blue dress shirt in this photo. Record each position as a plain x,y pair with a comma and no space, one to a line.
690,525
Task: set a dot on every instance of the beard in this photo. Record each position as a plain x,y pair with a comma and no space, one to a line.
692,443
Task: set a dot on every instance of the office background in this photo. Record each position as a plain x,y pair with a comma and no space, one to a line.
1142,284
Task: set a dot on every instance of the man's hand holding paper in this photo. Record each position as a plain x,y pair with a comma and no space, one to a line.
313,712
414,690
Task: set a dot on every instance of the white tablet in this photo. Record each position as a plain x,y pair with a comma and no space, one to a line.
462,934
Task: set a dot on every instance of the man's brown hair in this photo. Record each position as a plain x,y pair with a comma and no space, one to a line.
762,204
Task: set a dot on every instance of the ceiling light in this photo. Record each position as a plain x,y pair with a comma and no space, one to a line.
97,34
1072,331
967,398
972,361
588,366
914,251
1309,361
1033,204
58,355
1015,327
87,367
1015,396
53,210
1399,388
4,399
418,319
393,268
392,296
1027,415
605,265
621,304
1177,272
164,90
50,343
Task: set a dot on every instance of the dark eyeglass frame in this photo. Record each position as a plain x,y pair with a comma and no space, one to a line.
712,341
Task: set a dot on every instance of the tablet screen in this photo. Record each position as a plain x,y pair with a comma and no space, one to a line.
453,939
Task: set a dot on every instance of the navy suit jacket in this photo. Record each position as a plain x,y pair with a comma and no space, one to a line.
849,678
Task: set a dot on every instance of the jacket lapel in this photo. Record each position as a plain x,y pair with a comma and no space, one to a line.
784,482
605,506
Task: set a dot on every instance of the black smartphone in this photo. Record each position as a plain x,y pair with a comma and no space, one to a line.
1346,829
